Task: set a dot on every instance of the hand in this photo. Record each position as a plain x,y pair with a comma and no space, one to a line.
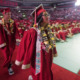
54,55
17,43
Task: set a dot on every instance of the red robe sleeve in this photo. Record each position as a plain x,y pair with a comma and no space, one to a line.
55,51
29,44
21,49
17,36
2,40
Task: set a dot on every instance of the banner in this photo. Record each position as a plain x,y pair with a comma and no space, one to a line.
8,3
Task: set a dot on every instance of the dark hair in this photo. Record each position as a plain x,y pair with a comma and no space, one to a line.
39,19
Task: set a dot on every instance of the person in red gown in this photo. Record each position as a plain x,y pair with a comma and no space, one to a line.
37,47
56,32
8,37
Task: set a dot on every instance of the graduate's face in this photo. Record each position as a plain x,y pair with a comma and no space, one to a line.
7,16
46,17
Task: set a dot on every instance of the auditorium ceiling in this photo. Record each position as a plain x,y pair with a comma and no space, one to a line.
47,3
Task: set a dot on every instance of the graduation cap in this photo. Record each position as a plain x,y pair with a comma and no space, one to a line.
6,10
37,11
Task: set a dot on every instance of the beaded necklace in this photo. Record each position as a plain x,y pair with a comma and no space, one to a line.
47,38
6,26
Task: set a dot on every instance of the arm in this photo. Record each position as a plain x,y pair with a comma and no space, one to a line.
21,49
16,33
26,49
54,52
2,40
30,49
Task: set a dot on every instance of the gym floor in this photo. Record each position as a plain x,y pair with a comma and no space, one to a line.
69,54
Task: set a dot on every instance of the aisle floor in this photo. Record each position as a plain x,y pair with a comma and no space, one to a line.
69,54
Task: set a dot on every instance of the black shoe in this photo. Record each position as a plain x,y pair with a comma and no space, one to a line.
10,70
11,64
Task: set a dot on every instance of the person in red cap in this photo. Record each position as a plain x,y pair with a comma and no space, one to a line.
8,37
37,47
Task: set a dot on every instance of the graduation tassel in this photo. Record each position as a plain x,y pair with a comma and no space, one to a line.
35,18
35,24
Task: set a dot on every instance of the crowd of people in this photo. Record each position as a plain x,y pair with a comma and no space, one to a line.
72,13
36,37
66,13
65,29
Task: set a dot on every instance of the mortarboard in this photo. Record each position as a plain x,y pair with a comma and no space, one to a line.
37,11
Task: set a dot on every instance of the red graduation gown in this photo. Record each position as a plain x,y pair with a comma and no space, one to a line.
27,55
7,43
